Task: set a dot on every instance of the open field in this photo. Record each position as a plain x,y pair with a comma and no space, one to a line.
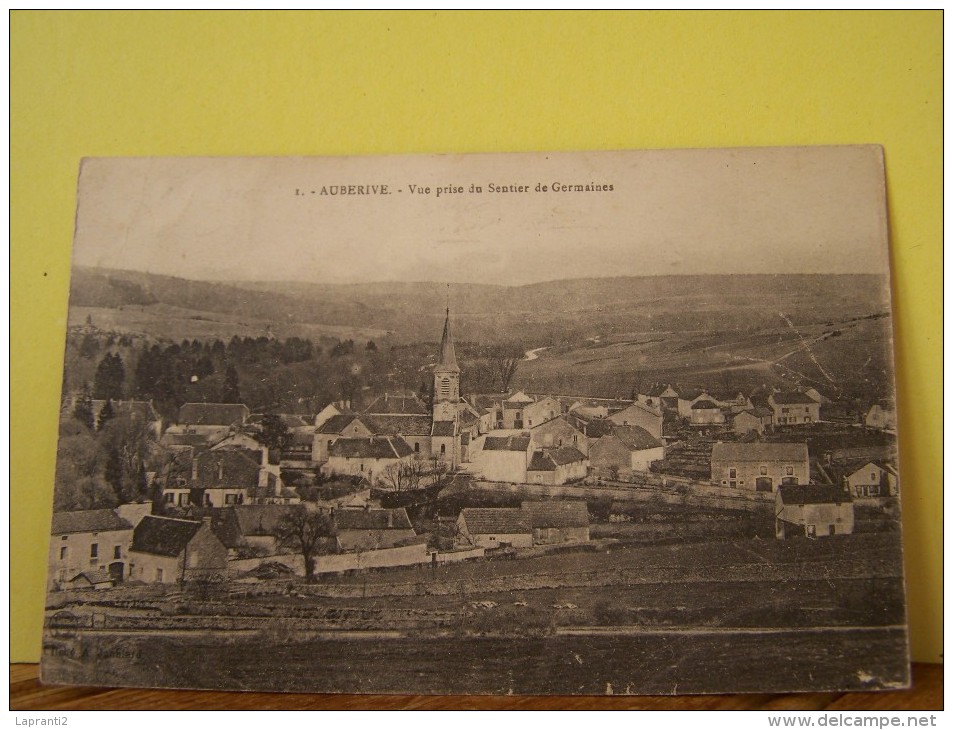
824,614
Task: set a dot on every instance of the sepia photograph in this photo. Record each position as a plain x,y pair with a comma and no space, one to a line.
569,423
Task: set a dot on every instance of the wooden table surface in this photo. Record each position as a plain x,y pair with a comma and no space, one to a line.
26,693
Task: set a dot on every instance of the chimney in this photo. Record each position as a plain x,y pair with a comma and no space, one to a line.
390,518
264,455
195,468
207,521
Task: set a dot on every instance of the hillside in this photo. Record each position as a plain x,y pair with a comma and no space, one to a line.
552,313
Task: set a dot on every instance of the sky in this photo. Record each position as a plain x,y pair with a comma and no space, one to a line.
736,211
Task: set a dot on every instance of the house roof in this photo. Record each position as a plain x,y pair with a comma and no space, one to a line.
757,412
372,519
224,524
260,519
88,520
291,420
636,404
636,438
213,414
793,398
397,404
598,427
392,425
235,467
163,535
556,514
518,398
877,464
496,520
812,494
759,451
336,424
375,447
94,577
704,405
549,459
444,428
506,443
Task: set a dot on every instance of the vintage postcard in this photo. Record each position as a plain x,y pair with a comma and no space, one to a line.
568,423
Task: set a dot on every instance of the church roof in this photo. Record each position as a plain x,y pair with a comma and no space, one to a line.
448,358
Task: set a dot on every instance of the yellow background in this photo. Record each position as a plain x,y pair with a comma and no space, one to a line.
135,83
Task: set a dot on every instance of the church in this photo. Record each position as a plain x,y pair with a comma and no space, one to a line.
369,442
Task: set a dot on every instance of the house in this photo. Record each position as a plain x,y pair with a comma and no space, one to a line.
687,397
359,530
812,510
557,465
545,409
794,407
228,477
94,540
558,431
325,413
168,550
639,414
494,527
755,419
758,466
881,416
873,479
626,447
504,458
345,425
369,457
557,522
706,413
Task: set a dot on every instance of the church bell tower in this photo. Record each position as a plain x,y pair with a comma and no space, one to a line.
446,378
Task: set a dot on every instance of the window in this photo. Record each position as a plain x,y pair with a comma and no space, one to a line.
785,410
873,476
732,473
170,497
231,499
806,409
789,470
445,386
117,552
63,553
362,467
529,422
94,550
764,470
159,575
416,447
443,448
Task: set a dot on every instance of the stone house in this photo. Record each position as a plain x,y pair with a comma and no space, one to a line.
794,407
504,458
557,522
494,527
626,447
359,530
95,540
557,465
873,479
167,550
812,510
759,466
639,414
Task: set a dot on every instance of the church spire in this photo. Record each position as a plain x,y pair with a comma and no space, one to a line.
448,359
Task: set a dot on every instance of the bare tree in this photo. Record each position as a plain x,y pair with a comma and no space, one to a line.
506,359
306,531
403,476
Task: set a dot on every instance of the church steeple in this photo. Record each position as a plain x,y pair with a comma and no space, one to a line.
447,361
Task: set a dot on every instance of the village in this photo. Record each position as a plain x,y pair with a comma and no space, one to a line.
403,482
